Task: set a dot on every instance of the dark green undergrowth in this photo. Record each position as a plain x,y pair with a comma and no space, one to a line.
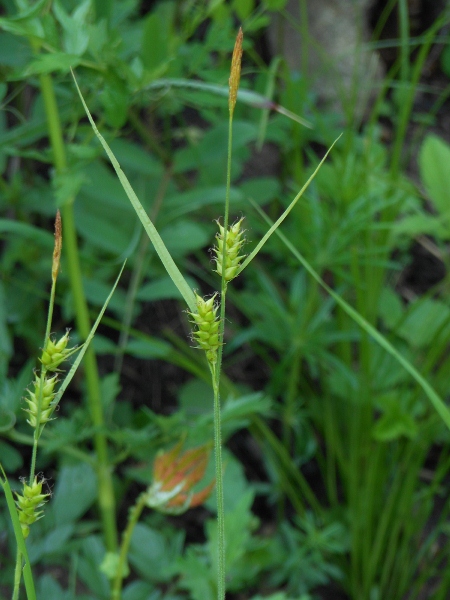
336,462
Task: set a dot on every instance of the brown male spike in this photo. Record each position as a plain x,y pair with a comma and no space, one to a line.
235,73
57,247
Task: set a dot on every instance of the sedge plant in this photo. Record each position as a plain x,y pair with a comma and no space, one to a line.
207,315
41,401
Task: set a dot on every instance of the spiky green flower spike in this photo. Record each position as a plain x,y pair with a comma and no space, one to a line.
29,503
56,352
207,322
43,396
234,243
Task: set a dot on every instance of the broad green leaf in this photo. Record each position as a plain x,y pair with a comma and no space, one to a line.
89,561
75,492
51,543
157,37
96,290
243,8
184,237
135,158
114,99
30,11
15,51
425,320
75,29
390,307
25,29
195,398
423,224
182,203
162,288
261,189
196,576
152,553
434,164
395,421
239,523
11,458
140,590
235,484
66,185
152,348
49,63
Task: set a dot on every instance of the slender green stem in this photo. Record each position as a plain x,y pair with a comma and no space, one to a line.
135,513
106,493
219,492
38,428
17,575
216,371
290,398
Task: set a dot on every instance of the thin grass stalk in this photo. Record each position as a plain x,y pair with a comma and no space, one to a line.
408,100
217,367
290,398
402,507
370,502
134,516
106,493
38,428
216,372
303,494
17,575
333,448
361,459
388,520
136,275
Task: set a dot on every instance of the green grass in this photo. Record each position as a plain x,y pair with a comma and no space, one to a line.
332,384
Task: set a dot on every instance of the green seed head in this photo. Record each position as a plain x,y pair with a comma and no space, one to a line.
55,353
28,504
207,322
43,397
234,243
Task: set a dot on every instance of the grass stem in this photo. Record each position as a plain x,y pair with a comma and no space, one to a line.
106,495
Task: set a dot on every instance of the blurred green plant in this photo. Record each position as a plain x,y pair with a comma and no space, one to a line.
343,433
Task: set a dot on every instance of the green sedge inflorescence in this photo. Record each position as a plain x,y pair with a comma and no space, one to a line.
207,323
206,318
233,242
40,397
28,505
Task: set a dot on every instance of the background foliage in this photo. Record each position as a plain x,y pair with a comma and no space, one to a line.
336,465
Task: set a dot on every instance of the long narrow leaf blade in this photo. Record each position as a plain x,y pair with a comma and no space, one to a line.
434,398
152,233
85,346
278,222
246,96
